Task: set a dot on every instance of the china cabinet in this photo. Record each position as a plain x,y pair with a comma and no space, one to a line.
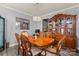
66,25
45,25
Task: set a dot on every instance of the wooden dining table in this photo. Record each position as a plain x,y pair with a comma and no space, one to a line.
41,42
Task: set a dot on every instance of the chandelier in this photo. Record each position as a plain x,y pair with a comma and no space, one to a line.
36,18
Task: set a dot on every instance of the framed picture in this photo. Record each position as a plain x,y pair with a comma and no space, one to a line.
22,23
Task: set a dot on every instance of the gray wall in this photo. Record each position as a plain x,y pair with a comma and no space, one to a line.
10,21
77,31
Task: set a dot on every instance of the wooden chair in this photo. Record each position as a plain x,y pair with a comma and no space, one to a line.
57,37
20,47
49,34
40,34
58,47
25,33
26,44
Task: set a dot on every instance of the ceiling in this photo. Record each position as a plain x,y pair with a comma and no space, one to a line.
38,9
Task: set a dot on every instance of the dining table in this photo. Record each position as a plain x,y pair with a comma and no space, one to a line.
41,43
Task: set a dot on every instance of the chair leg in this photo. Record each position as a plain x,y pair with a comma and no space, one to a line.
30,53
18,50
23,53
58,53
45,52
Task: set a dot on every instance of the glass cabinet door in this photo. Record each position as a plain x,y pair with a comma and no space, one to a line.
53,26
69,25
50,26
45,25
61,25
56,25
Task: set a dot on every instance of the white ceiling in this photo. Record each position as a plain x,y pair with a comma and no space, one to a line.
38,9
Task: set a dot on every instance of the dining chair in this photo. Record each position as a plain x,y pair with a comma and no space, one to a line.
56,49
49,34
26,44
60,45
57,37
20,47
25,33
40,34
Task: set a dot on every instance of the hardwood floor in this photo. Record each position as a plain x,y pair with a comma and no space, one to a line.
12,51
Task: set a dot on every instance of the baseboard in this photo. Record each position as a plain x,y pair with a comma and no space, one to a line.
11,45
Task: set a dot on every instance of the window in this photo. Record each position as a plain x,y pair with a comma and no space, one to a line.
22,24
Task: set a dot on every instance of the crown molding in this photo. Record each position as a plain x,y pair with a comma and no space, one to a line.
61,10
13,9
